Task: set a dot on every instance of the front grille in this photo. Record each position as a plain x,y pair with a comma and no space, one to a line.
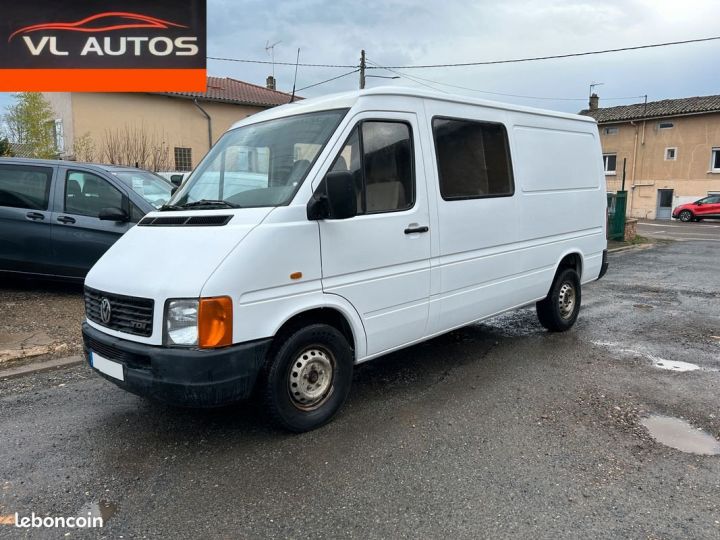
196,221
128,314
111,353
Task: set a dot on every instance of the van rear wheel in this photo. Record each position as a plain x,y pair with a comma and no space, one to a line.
560,309
307,377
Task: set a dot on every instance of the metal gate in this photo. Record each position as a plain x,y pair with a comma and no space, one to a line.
617,202
664,204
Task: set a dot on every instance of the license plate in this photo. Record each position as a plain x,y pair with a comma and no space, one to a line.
108,367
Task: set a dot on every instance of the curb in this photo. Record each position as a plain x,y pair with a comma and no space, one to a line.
628,248
39,367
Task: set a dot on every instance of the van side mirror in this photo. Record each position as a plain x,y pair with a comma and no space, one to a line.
113,214
335,198
176,179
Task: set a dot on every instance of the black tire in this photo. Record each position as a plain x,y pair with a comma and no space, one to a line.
554,312
287,366
685,216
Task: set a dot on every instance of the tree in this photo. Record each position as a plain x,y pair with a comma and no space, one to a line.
84,148
30,122
5,148
135,146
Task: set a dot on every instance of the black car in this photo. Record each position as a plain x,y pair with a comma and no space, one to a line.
58,217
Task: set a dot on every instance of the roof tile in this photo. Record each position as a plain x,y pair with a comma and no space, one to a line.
655,109
227,90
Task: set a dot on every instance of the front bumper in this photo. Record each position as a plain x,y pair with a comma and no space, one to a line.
185,377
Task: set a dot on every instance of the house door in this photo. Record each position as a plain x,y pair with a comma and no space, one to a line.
664,204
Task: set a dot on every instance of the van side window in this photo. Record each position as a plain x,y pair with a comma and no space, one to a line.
379,154
86,194
25,187
473,159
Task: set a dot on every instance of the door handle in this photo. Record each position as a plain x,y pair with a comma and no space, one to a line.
411,230
35,216
66,219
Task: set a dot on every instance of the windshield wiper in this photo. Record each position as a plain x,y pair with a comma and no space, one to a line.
166,207
208,202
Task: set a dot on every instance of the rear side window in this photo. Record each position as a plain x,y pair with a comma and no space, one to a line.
379,154
473,159
25,187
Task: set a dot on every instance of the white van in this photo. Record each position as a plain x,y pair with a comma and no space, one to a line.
365,222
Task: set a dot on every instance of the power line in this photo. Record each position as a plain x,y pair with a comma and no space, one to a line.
556,56
417,79
405,76
246,61
484,63
328,80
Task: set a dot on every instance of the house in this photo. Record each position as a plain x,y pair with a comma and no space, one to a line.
168,131
668,151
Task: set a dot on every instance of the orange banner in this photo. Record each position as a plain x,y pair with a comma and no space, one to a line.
102,80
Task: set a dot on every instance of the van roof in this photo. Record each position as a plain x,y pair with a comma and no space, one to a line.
345,100
67,163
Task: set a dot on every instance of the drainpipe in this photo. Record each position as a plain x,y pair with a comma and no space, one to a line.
632,183
209,121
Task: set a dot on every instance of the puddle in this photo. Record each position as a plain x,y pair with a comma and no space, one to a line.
673,365
660,363
102,509
680,435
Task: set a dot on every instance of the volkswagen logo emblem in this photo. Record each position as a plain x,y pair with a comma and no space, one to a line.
105,310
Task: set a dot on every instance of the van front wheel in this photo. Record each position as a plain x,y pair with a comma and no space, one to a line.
307,377
559,310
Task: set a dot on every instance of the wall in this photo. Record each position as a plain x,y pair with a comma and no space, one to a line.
689,176
175,121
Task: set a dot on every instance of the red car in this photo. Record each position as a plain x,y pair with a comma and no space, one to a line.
708,207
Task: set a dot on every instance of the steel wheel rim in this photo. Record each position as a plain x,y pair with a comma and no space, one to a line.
310,378
566,300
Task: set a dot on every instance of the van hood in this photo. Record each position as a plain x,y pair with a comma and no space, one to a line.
175,261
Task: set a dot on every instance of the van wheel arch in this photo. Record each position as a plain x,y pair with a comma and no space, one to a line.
327,315
571,260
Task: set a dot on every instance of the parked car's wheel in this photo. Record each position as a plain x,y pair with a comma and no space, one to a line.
686,216
307,377
559,310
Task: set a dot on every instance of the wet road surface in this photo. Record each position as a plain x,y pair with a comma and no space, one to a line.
708,229
497,430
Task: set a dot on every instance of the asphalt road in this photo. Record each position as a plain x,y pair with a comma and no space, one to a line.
677,230
497,430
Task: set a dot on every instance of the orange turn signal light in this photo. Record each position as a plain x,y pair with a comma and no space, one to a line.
215,322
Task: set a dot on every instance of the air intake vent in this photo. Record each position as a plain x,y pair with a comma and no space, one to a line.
189,221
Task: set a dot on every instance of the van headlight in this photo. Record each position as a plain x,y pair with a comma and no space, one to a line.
204,323
181,322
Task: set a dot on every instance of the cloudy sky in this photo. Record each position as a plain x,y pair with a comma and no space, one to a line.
403,32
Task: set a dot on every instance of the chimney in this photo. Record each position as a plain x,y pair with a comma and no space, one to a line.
270,83
594,102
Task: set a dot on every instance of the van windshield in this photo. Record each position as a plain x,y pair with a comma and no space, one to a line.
260,164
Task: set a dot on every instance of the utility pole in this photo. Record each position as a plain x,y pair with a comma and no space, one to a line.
362,69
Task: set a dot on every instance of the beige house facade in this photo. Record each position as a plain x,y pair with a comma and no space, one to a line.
668,152
169,132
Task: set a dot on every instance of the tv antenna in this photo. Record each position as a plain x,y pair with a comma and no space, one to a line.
270,49
592,87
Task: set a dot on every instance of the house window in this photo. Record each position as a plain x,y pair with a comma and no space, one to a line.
473,159
665,125
715,164
610,163
670,154
183,159
611,130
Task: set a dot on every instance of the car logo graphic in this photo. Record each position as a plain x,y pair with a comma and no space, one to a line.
122,20
105,310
